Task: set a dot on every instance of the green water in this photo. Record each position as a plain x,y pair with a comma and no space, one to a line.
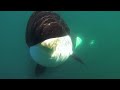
102,57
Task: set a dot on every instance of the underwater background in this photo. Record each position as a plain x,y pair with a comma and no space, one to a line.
100,47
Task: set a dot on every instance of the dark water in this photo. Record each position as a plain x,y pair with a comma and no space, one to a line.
102,58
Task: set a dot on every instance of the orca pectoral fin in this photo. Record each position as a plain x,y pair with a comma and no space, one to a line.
75,57
39,69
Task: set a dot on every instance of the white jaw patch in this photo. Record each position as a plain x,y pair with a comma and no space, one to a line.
61,47
60,50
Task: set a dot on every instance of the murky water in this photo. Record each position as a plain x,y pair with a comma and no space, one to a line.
100,48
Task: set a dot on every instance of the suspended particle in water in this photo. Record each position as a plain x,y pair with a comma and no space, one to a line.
92,42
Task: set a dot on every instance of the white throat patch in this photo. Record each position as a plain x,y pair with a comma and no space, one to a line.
60,50
61,47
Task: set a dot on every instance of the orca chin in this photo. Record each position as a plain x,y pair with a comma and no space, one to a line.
52,52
